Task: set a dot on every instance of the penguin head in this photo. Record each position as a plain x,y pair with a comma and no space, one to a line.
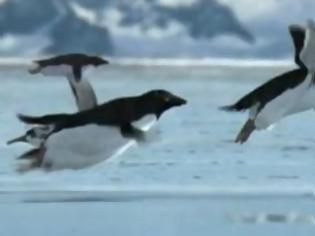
97,61
35,136
159,101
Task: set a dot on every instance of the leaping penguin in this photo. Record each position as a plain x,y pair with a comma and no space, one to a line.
71,66
284,95
67,64
119,113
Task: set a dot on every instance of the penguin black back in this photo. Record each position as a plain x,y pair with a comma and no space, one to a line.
74,59
119,112
268,91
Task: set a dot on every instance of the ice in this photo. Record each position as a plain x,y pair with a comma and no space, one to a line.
193,144
190,179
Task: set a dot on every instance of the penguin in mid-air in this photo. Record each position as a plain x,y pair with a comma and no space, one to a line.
286,94
70,66
118,113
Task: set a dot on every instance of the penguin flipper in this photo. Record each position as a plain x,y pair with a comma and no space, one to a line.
31,154
129,131
245,132
74,91
298,36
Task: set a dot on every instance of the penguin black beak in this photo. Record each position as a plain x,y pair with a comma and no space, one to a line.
169,102
177,101
18,139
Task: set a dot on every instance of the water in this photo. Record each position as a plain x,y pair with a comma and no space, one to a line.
191,171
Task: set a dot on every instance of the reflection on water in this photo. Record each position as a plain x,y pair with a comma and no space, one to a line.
265,218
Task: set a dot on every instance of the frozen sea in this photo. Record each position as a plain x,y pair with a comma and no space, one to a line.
190,180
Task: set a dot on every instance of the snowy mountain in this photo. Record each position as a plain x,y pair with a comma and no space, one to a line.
151,28
113,27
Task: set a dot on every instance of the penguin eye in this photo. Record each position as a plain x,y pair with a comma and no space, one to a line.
166,98
45,128
31,133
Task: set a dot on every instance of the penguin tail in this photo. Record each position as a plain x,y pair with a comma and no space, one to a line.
228,108
43,120
35,70
239,106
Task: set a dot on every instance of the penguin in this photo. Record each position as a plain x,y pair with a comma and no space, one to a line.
71,66
120,113
67,64
64,65
283,95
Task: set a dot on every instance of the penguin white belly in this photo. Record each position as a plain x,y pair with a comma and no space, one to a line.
306,102
83,92
308,50
289,102
86,96
58,70
86,146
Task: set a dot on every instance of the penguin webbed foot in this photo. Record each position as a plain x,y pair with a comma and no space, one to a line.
129,131
31,154
35,157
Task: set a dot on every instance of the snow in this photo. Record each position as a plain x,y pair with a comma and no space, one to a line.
176,3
